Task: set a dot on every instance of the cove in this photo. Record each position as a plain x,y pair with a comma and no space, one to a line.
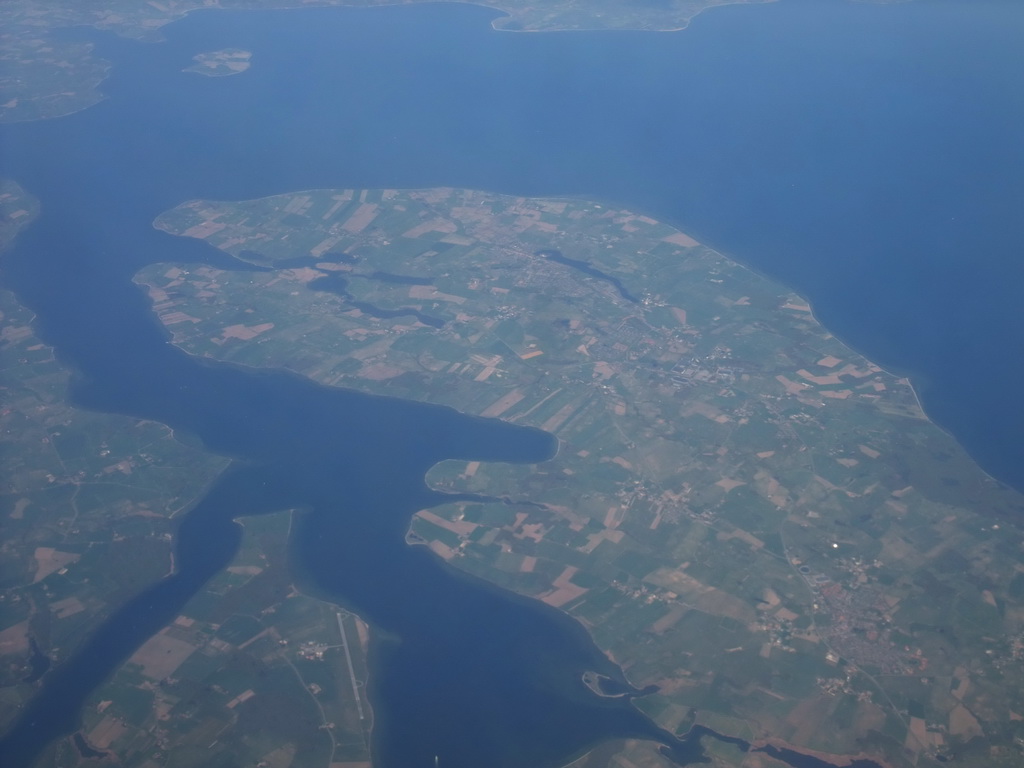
839,185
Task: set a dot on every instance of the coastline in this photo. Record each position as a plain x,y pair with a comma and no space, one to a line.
711,257
899,374
151,33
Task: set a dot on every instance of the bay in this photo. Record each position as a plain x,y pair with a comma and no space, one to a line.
868,156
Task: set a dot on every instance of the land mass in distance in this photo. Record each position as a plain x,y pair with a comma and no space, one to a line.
44,75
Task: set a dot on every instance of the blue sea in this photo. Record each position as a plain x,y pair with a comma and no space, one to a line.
869,156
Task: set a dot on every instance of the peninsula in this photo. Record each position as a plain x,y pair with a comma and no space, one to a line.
757,524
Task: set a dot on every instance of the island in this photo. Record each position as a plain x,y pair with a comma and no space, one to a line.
223,63
760,526
46,75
